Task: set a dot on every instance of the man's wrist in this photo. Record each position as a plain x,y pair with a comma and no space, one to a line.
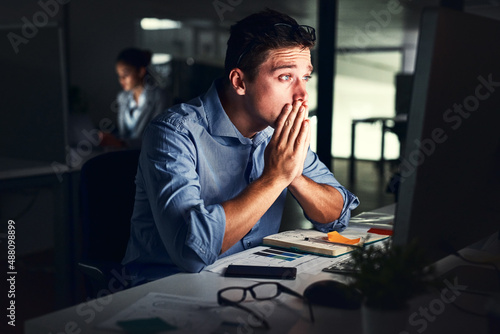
297,183
273,181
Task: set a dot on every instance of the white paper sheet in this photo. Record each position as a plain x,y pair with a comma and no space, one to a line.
267,256
189,315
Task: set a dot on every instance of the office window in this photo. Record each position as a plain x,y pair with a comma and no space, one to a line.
364,87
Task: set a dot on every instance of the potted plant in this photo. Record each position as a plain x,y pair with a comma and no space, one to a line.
388,277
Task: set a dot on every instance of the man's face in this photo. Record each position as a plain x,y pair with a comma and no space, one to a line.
281,79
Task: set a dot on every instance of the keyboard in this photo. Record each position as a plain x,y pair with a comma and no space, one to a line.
344,267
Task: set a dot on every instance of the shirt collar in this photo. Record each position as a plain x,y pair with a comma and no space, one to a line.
219,123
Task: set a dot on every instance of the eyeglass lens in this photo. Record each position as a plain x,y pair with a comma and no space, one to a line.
265,291
258,292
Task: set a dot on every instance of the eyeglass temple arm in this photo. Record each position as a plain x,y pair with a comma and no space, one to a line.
255,314
227,302
290,291
296,294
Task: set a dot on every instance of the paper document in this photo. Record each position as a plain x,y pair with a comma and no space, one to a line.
183,314
373,218
266,256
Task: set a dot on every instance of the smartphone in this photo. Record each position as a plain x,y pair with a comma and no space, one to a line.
261,272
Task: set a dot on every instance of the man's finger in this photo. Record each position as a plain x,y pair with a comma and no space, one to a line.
302,138
281,120
308,138
296,118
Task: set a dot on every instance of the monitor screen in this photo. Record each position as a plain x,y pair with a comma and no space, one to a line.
449,194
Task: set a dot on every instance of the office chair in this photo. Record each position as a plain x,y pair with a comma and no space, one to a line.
107,189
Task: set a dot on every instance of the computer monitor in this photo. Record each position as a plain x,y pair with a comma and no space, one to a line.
449,195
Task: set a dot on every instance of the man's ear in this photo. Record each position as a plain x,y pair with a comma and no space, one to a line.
237,82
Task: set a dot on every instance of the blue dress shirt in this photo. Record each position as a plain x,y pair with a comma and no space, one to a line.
193,158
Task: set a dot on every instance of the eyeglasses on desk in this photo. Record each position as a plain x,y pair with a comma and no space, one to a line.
234,296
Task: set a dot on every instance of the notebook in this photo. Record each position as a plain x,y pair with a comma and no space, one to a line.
316,242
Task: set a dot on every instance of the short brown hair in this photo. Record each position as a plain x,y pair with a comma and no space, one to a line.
253,37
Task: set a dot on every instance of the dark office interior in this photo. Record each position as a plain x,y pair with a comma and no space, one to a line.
59,71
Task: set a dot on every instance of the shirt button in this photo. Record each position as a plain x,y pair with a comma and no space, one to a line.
249,243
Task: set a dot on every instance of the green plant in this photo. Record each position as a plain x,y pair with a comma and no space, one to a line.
388,276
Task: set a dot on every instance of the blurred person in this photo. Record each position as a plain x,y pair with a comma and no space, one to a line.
140,101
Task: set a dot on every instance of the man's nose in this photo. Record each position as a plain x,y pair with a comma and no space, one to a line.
300,92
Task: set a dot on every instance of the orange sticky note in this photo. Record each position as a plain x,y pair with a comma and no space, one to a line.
336,237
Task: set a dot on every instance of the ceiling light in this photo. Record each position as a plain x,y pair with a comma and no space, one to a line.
159,24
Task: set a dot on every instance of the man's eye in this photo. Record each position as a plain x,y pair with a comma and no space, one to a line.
285,77
307,78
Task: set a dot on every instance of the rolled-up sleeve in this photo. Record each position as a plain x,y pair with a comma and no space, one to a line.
191,231
318,172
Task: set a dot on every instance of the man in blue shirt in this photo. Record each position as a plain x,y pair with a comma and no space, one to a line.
214,172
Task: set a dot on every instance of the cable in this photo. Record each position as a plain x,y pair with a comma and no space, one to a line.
474,292
450,249
460,308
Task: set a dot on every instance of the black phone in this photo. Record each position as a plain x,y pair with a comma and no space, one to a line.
261,272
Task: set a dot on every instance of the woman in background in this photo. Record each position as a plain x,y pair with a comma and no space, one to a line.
139,102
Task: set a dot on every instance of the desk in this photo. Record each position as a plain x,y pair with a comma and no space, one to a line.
291,317
203,285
